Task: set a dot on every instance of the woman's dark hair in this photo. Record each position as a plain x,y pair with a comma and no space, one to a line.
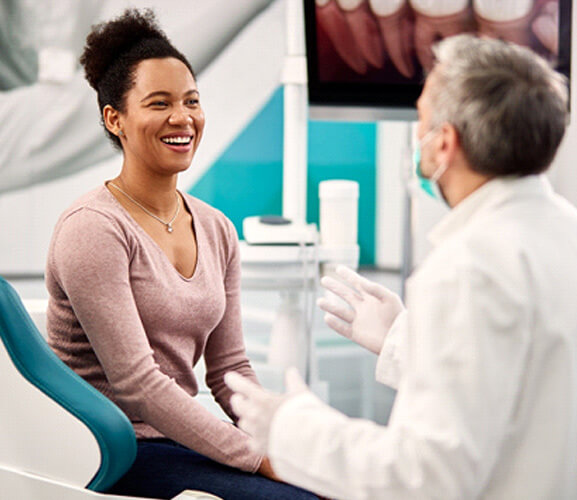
113,50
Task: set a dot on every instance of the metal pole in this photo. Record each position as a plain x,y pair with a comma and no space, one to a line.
295,116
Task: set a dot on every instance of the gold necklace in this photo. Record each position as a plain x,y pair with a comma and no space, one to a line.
168,224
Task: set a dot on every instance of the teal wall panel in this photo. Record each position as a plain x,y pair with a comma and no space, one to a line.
247,178
341,150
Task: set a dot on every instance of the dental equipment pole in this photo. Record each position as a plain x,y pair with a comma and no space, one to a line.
294,79
292,342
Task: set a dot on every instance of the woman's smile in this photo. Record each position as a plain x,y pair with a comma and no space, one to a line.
178,142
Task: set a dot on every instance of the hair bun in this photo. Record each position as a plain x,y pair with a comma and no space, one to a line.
108,40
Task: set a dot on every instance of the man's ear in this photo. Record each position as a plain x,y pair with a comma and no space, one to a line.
449,145
111,118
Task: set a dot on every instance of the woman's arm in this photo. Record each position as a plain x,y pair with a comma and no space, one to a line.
225,349
91,258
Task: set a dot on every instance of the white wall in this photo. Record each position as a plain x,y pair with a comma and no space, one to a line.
27,217
234,87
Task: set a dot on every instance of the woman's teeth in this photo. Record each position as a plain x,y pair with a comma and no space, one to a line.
176,140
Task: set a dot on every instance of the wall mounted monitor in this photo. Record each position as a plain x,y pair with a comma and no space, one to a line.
366,59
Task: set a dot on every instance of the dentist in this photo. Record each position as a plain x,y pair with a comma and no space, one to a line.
484,356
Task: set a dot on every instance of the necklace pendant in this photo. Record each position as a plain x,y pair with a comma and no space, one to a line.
169,228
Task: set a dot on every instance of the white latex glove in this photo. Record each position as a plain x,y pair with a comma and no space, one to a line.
256,406
371,309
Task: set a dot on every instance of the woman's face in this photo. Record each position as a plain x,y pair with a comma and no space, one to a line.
163,122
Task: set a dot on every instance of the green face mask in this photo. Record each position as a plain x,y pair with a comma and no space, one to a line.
428,185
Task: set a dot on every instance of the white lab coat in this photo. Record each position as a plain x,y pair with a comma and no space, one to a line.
485,361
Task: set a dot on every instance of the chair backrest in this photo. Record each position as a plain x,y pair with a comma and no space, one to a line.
52,422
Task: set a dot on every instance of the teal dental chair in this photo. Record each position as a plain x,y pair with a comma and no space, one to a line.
59,437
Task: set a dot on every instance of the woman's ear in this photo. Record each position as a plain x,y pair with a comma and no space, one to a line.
111,118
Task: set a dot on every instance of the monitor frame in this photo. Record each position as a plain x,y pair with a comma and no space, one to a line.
359,100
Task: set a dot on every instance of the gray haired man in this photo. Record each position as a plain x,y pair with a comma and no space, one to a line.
484,356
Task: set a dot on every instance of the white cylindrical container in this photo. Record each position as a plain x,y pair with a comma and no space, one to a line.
338,218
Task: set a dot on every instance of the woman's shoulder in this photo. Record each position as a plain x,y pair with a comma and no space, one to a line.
90,208
207,214
216,227
201,207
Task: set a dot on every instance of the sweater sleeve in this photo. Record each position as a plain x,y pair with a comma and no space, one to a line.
225,349
90,258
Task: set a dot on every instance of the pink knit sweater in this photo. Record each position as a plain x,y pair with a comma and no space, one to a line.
123,318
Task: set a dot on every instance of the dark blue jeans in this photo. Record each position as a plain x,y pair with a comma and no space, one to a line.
163,469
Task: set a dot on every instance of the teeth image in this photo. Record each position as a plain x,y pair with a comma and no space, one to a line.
367,34
383,8
438,8
349,4
397,35
334,23
492,10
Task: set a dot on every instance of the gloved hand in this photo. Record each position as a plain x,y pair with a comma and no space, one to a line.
256,406
371,309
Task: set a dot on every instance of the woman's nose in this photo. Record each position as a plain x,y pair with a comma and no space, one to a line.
179,117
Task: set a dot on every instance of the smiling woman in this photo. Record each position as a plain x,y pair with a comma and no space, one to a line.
144,280
165,118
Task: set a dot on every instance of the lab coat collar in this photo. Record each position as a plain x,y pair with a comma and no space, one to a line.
483,199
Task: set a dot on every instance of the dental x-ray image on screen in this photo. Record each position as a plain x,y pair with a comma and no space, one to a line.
375,53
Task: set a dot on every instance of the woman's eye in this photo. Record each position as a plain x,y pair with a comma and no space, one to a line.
192,102
159,104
